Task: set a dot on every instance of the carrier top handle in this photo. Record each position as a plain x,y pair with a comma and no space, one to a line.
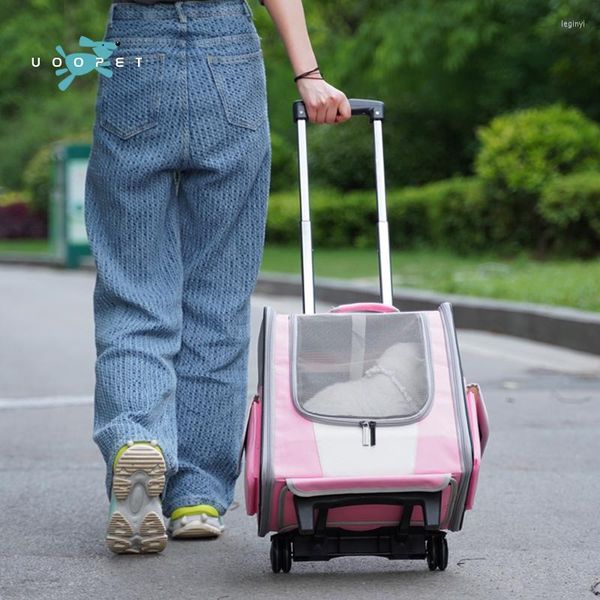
374,110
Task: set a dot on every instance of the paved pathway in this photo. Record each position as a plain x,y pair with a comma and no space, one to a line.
535,532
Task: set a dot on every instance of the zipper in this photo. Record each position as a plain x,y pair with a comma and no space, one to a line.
368,432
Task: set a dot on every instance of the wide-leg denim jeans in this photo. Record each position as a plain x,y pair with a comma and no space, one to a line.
176,198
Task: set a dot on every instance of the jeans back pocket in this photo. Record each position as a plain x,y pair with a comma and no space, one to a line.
241,83
129,101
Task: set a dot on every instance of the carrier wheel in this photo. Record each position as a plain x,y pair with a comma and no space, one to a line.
285,554
441,551
275,556
432,554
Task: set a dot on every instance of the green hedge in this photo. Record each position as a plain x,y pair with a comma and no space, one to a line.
571,205
521,151
38,178
14,197
448,214
458,214
283,166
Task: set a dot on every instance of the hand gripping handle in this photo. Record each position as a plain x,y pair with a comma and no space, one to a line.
360,106
373,109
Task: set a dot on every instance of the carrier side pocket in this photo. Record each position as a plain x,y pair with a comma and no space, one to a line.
252,448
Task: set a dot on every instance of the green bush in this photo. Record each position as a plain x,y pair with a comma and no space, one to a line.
341,155
571,205
519,154
283,163
338,219
448,214
14,197
38,178
457,214
345,219
521,151
282,223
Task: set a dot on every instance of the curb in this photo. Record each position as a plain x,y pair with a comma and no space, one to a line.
567,327
29,260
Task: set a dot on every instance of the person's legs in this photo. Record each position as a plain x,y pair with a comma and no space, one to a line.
132,220
222,241
223,202
134,236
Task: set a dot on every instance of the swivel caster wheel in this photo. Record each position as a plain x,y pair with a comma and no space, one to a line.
431,554
274,555
286,555
281,555
437,553
441,552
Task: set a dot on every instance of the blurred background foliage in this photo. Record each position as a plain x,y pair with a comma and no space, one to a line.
495,98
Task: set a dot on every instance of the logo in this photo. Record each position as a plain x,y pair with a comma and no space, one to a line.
82,63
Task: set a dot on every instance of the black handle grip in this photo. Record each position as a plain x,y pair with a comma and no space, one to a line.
372,108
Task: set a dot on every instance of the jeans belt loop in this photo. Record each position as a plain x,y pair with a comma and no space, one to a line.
180,12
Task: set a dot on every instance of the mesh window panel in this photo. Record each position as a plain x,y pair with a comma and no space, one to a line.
361,365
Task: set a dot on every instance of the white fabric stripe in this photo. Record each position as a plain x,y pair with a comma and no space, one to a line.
343,455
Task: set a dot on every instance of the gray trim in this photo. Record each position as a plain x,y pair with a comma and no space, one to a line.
361,490
266,457
249,403
280,502
285,488
386,421
462,422
451,503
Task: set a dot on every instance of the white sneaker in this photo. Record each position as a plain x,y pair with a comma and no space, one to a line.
201,521
135,518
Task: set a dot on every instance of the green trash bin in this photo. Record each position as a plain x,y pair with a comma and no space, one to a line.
67,221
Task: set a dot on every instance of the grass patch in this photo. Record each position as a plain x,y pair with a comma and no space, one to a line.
574,283
25,246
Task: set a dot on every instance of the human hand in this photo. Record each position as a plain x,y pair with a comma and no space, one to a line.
323,102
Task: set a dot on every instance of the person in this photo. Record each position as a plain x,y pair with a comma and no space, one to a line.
175,210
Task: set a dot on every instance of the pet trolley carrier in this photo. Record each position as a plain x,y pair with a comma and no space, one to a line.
362,438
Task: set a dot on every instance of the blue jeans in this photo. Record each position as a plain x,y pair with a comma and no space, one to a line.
176,198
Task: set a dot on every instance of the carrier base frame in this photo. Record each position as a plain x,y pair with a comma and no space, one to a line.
314,541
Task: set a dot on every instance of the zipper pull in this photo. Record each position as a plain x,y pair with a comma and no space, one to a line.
372,426
368,432
366,436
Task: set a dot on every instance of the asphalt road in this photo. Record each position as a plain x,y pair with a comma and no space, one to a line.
534,533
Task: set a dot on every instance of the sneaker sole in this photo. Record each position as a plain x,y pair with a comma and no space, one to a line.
136,526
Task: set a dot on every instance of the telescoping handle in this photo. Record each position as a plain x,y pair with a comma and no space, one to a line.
374,110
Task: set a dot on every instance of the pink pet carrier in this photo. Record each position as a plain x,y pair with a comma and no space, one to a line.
363,438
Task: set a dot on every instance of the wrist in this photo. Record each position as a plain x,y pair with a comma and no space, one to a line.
313,73
308,82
